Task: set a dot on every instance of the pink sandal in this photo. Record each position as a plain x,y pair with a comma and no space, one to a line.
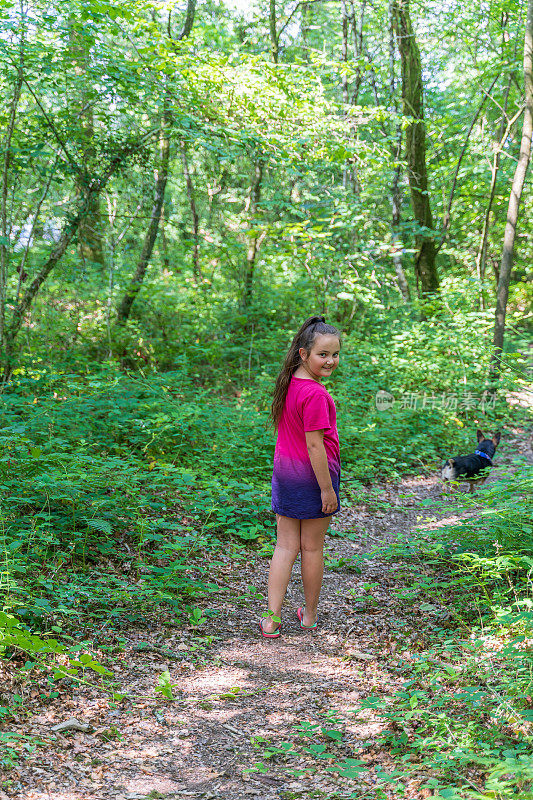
300,615
273,635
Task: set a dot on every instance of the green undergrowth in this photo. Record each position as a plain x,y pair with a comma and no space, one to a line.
118,491
111,483
461,724
105,474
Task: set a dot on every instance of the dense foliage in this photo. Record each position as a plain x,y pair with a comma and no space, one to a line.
279,180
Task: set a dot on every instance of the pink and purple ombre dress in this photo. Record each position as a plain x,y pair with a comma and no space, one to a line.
295,490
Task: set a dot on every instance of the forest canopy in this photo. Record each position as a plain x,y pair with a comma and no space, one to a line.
169,165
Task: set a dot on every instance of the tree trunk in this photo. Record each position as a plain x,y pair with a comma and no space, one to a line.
396,196
304,24
344,57
124,308
254,237
357,33
4,232
344,77
187,25
90,243
481,256
447,214
189,19
194,213
397,246
272,24
163,244
415,142
502,294
35,216
357,30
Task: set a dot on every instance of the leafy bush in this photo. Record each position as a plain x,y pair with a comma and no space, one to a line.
465,704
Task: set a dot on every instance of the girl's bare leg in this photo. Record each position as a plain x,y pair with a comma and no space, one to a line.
312,534
285,552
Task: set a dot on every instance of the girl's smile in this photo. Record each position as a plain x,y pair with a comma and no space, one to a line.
322,359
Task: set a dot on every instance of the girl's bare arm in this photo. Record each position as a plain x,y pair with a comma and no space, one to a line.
319,462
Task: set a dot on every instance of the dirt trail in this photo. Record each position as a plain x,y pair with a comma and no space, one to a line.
241,686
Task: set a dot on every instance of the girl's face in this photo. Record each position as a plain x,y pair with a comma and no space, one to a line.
323,357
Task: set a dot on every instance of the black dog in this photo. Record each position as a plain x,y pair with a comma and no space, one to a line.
473,468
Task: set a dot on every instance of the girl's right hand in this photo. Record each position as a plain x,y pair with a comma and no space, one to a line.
329,501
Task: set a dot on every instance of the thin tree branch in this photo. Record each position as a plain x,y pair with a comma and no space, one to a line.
480,258
446,220
33,224
4,239
124,307
192,204
54,130
291,15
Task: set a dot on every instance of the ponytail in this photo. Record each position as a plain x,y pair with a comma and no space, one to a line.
305,338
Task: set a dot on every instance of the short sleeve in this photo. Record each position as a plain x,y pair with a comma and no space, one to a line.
315,412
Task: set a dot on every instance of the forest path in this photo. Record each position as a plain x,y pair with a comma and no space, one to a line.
240,686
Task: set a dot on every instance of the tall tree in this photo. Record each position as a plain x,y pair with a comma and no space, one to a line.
502,294
415,143
499,145
344,77
500,140
274,35
194,213
160,184
134,287
90,243
254,236
305,9
4,179
396,149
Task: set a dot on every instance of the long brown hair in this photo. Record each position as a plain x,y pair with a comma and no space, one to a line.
305,338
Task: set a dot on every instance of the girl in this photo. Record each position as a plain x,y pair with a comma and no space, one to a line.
305,483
